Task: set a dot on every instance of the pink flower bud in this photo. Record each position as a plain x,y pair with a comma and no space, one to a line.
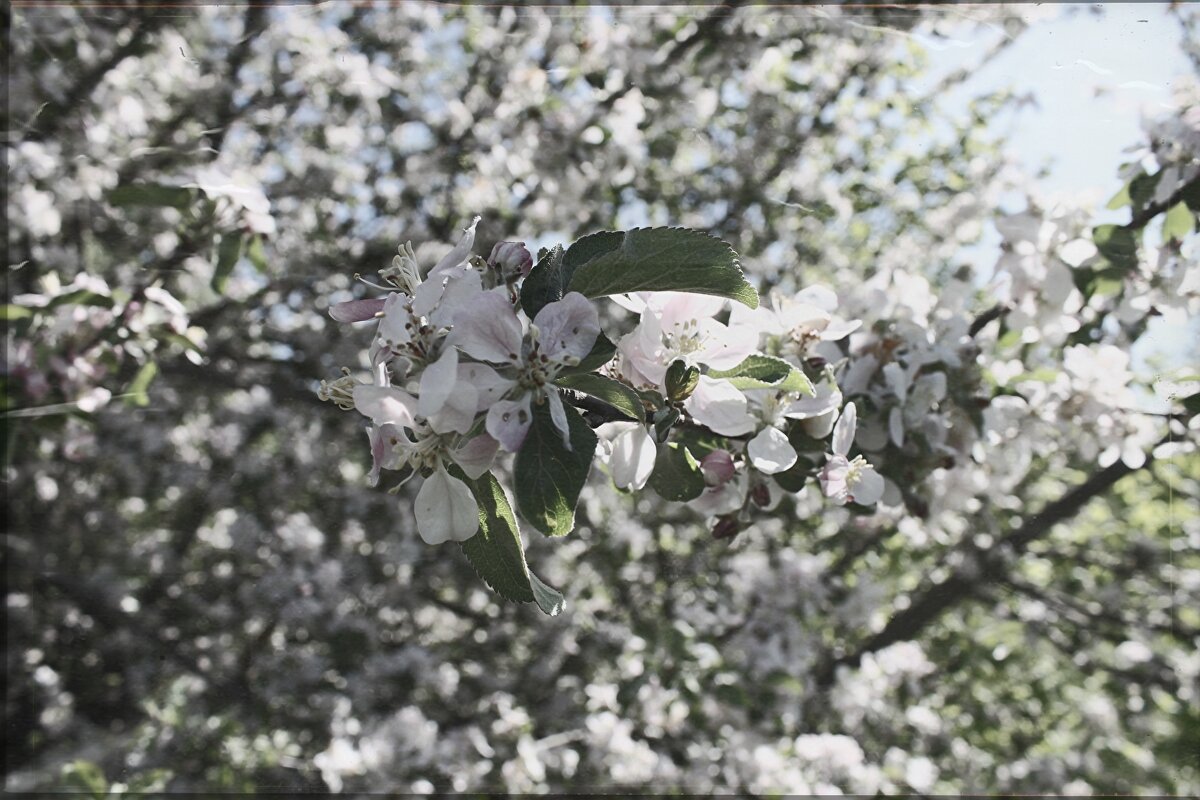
727,527
356,310
717,467
511,259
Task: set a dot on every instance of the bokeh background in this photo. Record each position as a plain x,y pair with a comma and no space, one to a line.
204,594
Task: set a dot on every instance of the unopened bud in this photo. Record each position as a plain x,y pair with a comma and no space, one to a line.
717,467
511,259
727,527
761,495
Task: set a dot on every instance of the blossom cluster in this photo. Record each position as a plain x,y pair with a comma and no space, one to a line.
459,369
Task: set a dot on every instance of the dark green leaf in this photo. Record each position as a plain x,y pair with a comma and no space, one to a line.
677,474
496,553
81,297
766,372
544,283
615,393
1191,404
228,253
655,259
150,194
1118,245
548,476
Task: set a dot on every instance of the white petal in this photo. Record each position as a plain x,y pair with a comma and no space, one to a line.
476,455
558,415
633,455
445,509
771,452
437,383
429,293
820,427
567,327
457,415
720,407
459,254
843,432
896,426
385,404
826,400
725,348
460,291
488,383
839,328
867,490
392,328
488,329
676,309
833,478
508,422
897,380
817,295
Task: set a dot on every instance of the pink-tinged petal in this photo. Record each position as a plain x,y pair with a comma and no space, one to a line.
476,455
642,353
489,385
677,309
770,451
459,254
833,478
385,405
508,422
437,383
843,432
511,258
396,325
761,320
868,488
720,407
445,509
357,310
558,415
459,292
717,467
457,415
488,329
633,456
567,328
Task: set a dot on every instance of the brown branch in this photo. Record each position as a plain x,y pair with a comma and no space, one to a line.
1142,218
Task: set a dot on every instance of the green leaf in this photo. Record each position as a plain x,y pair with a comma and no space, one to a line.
544,283
766,372
602,352
1118,245
136,393
81,297
495,552
1191,404
681,381
1179,223
228,253
793,479
548,476
615,393
86,776
14,312
150,194
256,255
643,259
677,474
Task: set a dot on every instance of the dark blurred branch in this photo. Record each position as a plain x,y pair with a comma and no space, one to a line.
1142,218
935,600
